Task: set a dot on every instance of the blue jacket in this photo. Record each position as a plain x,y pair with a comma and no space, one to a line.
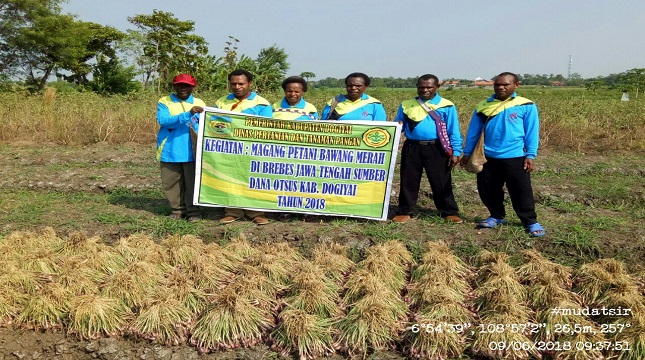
254,105
301,111
512,131
173,139
418,125
365,108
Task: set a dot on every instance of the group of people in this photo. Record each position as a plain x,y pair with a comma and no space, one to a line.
430,124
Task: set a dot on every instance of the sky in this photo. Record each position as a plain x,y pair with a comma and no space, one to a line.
461,39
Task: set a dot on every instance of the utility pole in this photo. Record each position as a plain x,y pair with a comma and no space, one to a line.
570,62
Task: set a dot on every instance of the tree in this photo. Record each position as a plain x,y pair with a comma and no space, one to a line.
132,48
330,82
111,77
378,82
14,16
32,41
54,42
214,71
168,45
575,80
36,41
271,68
100,45
635,78
307,75
594,85
268,68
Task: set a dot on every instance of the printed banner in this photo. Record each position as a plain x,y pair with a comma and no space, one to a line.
341,168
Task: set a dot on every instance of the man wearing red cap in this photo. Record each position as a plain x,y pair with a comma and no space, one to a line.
176,114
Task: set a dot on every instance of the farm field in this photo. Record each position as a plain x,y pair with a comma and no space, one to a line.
82,167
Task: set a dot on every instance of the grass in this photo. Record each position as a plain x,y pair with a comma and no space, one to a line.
581,238
87,118
233,232
564,206
112,209
571,203
383,232
570,181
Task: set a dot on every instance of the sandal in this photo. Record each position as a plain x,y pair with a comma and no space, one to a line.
535,230
491,222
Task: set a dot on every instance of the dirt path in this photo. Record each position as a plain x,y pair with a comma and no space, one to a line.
28,345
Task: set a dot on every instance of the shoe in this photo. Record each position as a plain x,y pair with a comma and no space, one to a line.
454,219
535,230
284,217
401,219
227,219
175,216
260,220
194,218
491,222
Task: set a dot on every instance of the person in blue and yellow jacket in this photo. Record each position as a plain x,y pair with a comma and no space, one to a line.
177,113
355,105
511,137
243,100
423,150
293,106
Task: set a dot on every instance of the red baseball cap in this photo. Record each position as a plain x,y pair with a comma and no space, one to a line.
184,79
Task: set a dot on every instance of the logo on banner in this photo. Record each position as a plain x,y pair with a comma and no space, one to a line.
219,126
376,138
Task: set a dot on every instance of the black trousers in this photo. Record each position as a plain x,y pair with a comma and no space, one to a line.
415,157
490,184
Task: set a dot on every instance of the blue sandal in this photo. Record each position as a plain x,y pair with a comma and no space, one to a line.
491,222
535,230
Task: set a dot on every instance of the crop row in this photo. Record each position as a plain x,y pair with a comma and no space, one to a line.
217,298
